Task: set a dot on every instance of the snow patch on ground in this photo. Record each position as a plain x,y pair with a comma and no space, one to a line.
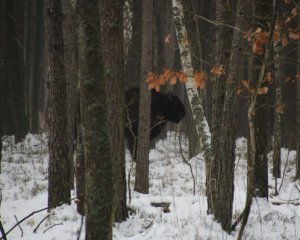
24,182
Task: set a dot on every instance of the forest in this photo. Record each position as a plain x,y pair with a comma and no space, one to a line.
149,120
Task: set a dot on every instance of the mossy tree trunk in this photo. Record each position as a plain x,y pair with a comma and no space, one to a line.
95,127
111,12
59,184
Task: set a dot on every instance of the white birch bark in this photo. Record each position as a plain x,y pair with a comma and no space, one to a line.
202,128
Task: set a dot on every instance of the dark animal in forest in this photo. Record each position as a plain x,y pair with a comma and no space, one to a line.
164,108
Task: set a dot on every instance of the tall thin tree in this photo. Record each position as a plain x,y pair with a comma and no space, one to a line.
112,28
2,7
59,184
95,127
143,144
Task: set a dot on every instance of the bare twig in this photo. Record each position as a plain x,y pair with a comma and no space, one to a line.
186,162
36,228
23,219
57,224
80,229
250,175
215,23
2,231
19,225
28,216
284,171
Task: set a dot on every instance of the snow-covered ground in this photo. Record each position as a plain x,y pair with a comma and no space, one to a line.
24,188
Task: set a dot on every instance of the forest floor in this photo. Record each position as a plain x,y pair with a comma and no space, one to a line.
182,215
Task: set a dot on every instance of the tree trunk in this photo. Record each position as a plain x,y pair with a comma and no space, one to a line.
224,36
133,61
59,184
298,109
228,127
94,116
2,12
143,143
263,16
35,78
252,112
14,118
201,124
70,53
278,53
80,169
111,12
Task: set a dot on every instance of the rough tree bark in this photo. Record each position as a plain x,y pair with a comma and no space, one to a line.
252,142
278,54
59,184
262,18
111,12
2,11
143,143
94,118
70,54
224,36
229,121
298,109
58,191
133,61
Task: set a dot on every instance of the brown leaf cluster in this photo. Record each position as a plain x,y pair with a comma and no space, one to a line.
200,78
167,76
218,70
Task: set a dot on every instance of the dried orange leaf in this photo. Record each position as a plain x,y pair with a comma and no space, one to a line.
168,39
257,48
294,35
182,77
258,30
284,41
173,80
200,78
280,108
245,84
218,70
262,90
268,77
287,79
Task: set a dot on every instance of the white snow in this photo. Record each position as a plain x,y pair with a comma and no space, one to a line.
24,188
